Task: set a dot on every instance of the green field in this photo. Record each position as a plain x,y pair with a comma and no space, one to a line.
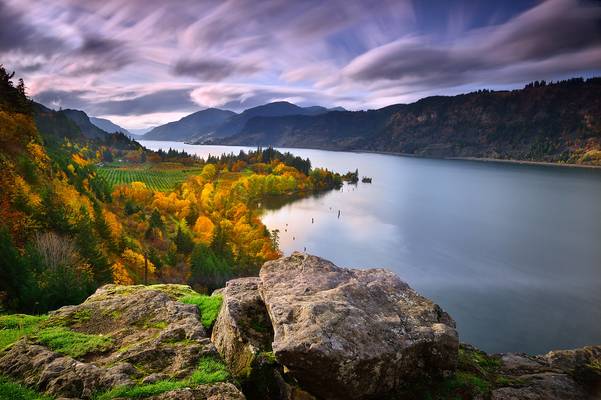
159,180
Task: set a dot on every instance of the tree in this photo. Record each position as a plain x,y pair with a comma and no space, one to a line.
183,241
208,172
107,155
204,230
89,247
13,273
208,269
155,220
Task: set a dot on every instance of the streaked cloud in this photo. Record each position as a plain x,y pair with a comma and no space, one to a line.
145,61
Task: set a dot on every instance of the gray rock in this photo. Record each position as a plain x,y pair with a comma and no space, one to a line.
242,329
218,391
353,334
544,386
54,374
571,360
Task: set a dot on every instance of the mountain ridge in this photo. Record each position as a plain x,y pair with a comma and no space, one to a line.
559,122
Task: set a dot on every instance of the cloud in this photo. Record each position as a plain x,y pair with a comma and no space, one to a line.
146,60
16,35
238,97
213,69
160,101
63,99
97,54
554,30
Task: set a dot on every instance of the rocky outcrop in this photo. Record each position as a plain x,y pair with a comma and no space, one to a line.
304,330
353,334
557,375
152,336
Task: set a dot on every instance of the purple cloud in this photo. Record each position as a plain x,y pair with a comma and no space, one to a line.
143,60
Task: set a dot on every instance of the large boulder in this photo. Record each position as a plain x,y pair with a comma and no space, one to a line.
353,334
242,330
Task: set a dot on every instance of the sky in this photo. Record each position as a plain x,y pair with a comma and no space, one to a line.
141,63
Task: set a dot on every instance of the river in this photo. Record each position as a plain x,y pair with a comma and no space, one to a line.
512,252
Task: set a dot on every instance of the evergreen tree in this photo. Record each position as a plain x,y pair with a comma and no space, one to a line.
89,247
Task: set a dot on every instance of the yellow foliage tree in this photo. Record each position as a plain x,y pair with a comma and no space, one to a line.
134,263
120,274
204,230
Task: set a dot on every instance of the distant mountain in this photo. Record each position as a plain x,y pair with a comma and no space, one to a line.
194,126
542,122
82,120
277,109
139,132
108,126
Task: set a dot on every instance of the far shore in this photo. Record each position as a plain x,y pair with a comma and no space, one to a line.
526,162
392,153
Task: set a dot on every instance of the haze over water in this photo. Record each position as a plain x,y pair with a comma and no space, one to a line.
512,252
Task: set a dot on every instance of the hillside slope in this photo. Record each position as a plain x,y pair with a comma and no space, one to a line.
555,122
108,125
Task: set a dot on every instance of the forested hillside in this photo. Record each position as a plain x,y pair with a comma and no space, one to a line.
68,224
558,122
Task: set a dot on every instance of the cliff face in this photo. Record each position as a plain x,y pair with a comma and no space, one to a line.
305,329
557,122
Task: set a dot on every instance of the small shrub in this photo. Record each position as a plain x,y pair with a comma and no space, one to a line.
10,390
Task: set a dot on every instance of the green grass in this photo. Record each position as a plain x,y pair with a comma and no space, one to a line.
159,180
10,390
15,326
209,370
465,381
477,360
208,306
74,344
156,325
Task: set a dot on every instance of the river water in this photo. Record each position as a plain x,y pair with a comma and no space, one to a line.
512,252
